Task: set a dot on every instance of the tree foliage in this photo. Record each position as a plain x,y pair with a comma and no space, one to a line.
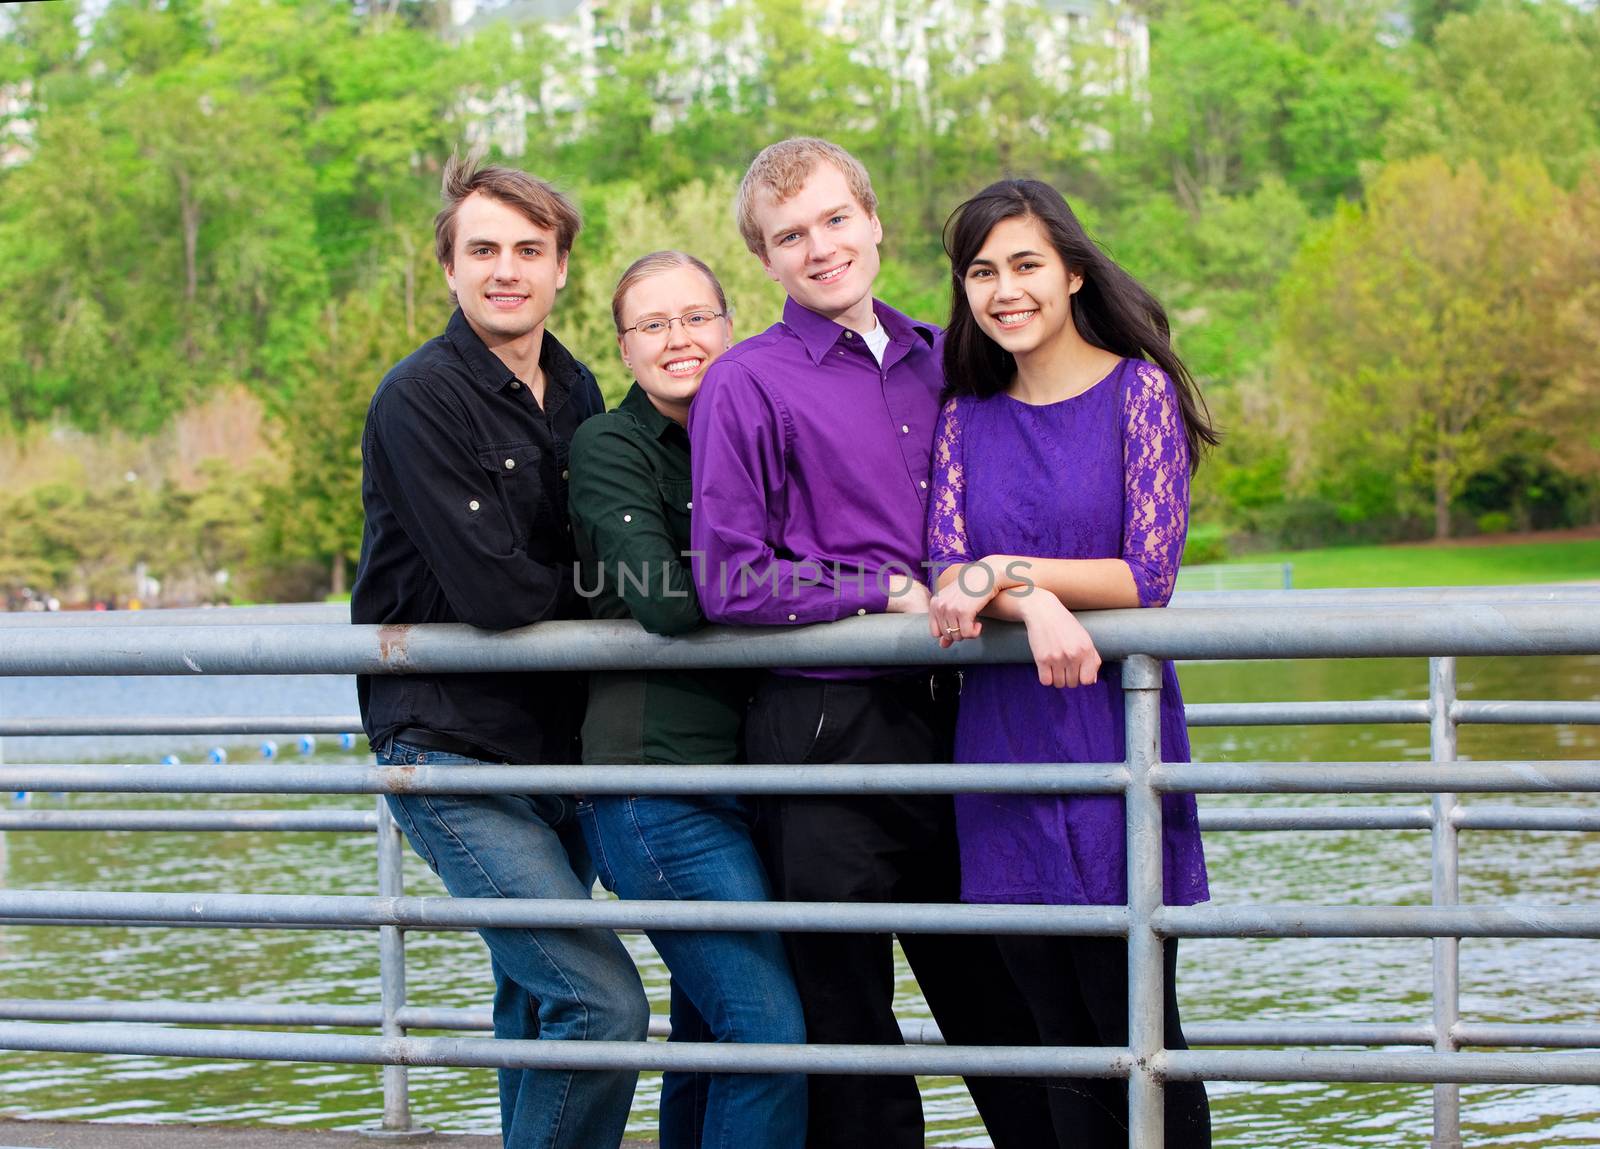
198,195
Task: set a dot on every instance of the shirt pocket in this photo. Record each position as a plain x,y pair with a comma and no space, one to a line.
677,496
513,470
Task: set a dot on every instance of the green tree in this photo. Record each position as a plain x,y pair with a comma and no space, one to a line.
1410,327
1506,79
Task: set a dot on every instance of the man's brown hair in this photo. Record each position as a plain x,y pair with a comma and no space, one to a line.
531,196
783,168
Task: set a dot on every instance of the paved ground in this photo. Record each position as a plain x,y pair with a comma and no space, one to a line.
111,1135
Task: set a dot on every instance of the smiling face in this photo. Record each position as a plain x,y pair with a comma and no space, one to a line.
822,246
670,366
505,270
1020,290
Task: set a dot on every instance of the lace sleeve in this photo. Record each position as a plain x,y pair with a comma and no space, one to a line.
947,524
1155,469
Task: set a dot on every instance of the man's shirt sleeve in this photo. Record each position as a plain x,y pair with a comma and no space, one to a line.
618,510
738,434
420,454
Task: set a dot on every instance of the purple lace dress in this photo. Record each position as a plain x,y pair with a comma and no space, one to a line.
1103,474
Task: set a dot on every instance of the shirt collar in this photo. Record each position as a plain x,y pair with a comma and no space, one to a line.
637,404
819,334
560,368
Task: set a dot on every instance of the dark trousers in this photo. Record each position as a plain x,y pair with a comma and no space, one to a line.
882,848
1077,989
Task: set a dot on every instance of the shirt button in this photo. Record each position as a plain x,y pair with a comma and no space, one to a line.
863,610
511,464
791,618
627,518
904,429
472,506
563,475
689,506
923,483
516,384
849,334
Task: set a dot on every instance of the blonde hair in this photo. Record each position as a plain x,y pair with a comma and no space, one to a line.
533,197
783,168
654,264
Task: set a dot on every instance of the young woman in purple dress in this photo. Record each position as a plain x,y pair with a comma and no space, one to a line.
1061,483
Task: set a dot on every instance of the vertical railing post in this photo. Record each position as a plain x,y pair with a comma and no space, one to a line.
1141,684
1446,892
392,981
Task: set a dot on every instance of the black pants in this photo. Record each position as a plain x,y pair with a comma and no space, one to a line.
882,848
1077,989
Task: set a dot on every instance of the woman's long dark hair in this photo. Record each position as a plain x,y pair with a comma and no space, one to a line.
1111,311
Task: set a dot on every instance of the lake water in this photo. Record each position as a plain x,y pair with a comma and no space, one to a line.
1309,980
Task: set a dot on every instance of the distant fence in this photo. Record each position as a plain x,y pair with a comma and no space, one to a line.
1437,624
1237,576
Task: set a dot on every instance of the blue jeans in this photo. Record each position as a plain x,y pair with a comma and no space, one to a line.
725,986
552,984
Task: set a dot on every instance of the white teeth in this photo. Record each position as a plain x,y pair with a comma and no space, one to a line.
1015,318
683,366
831,274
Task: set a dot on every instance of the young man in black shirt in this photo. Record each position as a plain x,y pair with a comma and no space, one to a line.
464,483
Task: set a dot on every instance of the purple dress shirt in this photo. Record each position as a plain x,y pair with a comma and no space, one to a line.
1104,474
810,467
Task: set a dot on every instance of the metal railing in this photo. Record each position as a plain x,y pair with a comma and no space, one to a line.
1236,576
1436,624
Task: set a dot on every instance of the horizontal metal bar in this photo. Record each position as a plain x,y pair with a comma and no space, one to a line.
1412,596
914,1031
239,724
1525,818
1563,1036
1397,818
925,1060
1304,713
1307,1065
277,614
1198,713
288,821
937,778
883,640
264,614
1377,777
1318,818
427,913
1376,922
713,1057
1527,713
197,1013
1305,1033
211,924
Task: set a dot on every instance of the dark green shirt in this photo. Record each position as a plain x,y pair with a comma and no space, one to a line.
630,505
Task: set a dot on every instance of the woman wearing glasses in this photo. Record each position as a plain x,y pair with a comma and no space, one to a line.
630,504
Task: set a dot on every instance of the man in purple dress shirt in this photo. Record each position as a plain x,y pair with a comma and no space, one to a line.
811,446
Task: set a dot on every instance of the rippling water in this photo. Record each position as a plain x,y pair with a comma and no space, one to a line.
1310,980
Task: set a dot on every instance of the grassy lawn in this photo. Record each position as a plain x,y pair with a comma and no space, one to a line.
1429,565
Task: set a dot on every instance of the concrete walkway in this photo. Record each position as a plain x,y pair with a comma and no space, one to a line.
115,1135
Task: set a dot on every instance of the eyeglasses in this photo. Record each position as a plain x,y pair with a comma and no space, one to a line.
693,321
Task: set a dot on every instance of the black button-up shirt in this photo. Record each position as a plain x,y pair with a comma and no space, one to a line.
464,482
631,504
